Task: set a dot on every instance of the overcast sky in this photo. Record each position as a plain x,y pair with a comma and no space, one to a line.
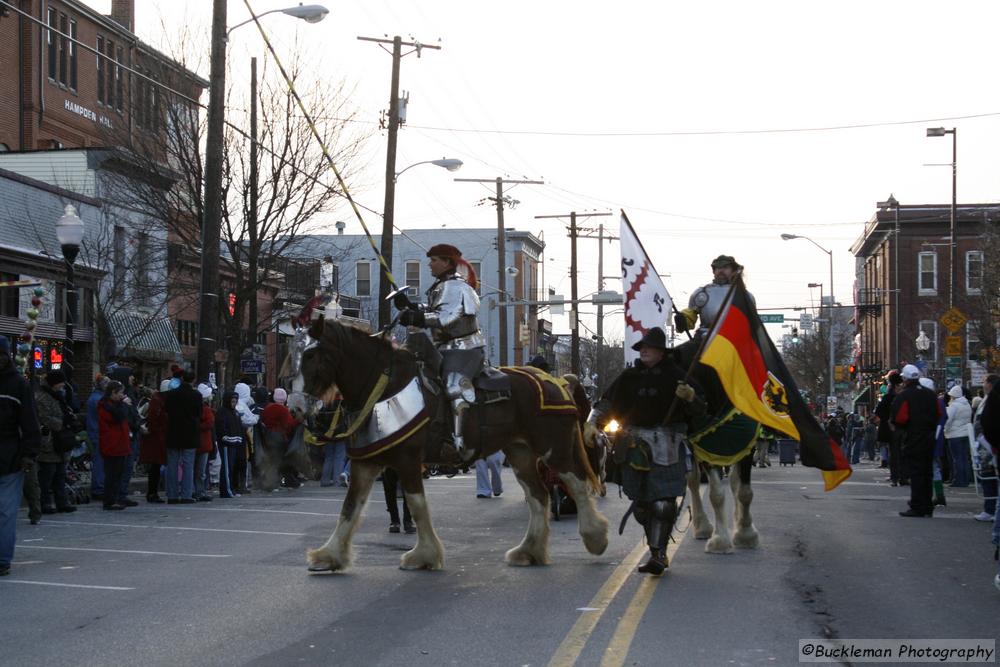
685,114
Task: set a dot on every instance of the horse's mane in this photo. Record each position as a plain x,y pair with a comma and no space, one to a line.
344,335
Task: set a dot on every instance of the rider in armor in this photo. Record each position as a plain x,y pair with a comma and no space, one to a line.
452,315
650,445
706,301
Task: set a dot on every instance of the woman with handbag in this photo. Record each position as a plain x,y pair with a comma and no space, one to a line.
58,438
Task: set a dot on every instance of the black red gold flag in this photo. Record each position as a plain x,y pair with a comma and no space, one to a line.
759,385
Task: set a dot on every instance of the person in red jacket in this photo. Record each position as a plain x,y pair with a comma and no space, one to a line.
279,427
152,445
115,439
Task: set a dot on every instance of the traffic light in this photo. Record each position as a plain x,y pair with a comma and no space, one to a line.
852,371
795,335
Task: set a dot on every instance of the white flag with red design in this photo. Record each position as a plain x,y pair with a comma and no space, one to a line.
647,303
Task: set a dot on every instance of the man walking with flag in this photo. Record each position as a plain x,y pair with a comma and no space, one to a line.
654,407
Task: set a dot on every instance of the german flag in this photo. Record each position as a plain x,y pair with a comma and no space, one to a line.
759,385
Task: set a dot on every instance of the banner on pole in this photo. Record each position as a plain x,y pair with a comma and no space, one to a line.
647,303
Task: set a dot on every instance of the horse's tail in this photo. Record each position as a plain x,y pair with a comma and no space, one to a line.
580,454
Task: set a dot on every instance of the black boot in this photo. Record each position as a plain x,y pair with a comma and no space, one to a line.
656,564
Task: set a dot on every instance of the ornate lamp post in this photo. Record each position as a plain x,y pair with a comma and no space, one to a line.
69,232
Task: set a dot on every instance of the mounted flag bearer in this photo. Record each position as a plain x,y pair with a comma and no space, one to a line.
451,313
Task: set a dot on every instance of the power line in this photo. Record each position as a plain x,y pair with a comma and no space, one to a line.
696,133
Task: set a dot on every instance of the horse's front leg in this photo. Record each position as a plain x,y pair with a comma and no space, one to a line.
721,541
428,553
702,526
592,524
746,535
336,553
534,548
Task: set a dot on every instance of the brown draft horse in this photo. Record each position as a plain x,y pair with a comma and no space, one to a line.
352,360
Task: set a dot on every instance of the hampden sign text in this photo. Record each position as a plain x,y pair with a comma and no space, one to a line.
87,113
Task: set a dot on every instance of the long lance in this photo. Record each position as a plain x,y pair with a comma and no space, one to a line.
326,153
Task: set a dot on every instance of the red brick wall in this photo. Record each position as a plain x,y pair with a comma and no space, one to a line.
46,117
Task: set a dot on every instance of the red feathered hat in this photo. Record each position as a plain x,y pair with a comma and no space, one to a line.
444,250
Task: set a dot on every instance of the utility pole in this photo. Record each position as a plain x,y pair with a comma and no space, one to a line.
208,316
388,211
252,230
501,253
575,319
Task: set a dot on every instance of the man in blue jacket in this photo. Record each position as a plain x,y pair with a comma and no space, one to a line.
19,443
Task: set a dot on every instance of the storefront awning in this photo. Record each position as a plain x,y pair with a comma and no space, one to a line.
147,338
863,397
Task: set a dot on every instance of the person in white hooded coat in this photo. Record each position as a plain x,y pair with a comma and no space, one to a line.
244,408
956,431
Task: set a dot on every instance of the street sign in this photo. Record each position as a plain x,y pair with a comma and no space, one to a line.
841,386
953,346
953,319
953,367
769,318
805,322
831,403
251,366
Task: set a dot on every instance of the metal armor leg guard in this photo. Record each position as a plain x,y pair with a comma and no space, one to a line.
661,522
458,408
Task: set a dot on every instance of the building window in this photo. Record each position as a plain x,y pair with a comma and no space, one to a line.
143,282
929,327
187,333
10,297
972,344
413,278
140,99
100,69
974,272
362,279
51,43
63,50
72,54
118,261
109,74
478,268
927,273
119,81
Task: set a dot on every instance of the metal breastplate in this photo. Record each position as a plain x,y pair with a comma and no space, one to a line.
452,311
708,300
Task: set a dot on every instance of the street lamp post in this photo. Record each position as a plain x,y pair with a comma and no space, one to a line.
789,237
69,233
952,245
211,227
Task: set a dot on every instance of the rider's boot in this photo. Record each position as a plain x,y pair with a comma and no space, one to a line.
458,408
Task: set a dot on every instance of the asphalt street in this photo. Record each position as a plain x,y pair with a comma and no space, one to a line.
225,583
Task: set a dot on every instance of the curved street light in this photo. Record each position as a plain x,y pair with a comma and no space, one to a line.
451,164
789,237
308,13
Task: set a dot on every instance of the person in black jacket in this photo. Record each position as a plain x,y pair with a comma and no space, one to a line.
651,447
183,408
916,412
230,436
19,442
888,439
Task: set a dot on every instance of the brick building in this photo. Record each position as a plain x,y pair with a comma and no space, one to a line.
82,99
903,285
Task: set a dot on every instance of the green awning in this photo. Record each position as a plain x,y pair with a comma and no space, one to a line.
148,338
863,397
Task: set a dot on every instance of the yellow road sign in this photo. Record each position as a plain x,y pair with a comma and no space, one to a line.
953,346
954,319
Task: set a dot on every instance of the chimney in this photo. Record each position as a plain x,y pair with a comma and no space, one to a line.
340,227
123,12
